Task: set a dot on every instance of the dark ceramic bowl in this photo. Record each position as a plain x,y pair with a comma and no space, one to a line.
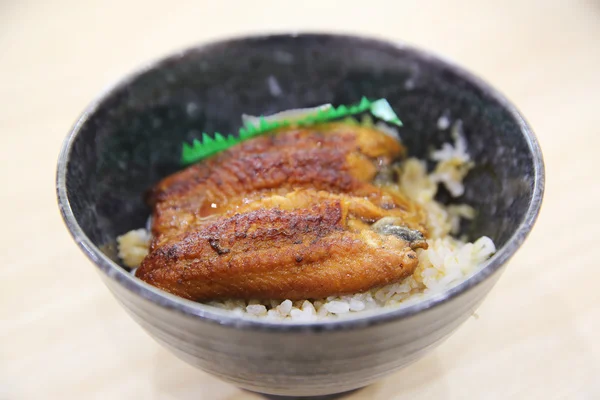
130,137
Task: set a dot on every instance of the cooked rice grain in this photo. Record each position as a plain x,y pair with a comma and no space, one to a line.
133,247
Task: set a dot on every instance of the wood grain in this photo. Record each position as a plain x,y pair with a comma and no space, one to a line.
63,336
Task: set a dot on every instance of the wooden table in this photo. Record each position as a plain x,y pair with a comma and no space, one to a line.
63,336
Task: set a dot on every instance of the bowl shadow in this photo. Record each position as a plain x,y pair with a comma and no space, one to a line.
334,396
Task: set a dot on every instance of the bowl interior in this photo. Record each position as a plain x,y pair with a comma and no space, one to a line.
132,137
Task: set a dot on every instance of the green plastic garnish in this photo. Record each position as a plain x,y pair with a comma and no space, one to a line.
208,146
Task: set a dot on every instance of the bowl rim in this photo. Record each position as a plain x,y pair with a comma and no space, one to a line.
205,313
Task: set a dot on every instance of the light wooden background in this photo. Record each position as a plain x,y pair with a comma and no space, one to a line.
63,336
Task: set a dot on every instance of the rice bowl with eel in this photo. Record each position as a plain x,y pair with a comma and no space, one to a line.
130,138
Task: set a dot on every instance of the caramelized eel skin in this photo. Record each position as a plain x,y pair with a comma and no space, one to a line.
284,216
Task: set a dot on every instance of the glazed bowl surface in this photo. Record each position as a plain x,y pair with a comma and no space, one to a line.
131,136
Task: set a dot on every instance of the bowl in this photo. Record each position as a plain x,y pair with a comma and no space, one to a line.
130,137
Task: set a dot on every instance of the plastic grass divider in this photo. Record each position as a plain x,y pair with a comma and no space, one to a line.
208,146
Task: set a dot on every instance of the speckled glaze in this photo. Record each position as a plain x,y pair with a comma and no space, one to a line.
131,137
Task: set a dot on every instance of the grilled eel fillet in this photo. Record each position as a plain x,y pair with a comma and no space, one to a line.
293,215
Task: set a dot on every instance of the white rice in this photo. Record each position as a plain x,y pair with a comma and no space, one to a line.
133,246
447,262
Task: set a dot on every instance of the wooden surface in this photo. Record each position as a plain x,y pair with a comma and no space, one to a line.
63,336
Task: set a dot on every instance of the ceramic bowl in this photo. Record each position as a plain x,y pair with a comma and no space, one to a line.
131,136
